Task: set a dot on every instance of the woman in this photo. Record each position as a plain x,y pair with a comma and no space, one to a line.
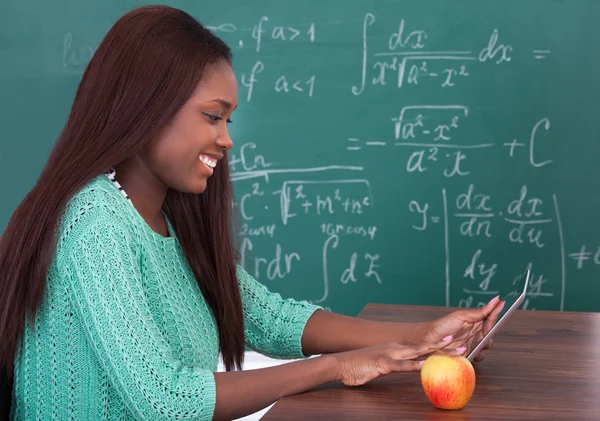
119,287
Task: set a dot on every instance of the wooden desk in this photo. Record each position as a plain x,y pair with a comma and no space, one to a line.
543,366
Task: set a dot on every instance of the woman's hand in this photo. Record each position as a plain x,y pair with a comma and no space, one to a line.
467,326
362,365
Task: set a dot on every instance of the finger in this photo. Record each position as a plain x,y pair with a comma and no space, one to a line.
435,346
456,351
489,344
479,314
420,350
405,365
479,357
490,321
448,351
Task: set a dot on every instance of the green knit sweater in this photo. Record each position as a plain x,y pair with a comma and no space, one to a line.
124,332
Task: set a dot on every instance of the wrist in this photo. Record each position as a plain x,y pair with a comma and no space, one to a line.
331,367
419,333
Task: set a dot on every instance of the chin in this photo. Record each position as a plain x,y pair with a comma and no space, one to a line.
192,186
198,187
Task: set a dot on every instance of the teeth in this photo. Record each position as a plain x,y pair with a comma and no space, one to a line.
210,162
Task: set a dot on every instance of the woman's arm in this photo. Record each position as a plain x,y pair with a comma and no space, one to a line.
245,392
327,332
286,328
274,326
241,393
101,274
104,283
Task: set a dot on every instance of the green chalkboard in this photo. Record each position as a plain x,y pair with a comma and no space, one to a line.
421,152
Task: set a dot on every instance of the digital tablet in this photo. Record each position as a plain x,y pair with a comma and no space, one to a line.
513,299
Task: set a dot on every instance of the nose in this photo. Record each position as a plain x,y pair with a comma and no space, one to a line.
224,140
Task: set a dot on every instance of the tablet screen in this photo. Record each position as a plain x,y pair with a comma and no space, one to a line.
517,288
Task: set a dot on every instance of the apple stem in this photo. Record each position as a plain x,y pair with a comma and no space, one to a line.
440,351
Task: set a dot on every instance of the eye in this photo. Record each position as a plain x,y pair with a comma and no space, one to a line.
212,117
215,118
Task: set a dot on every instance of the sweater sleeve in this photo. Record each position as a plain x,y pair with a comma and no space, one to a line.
104,281
273,325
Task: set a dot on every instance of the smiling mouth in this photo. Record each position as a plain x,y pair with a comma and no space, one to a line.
208,161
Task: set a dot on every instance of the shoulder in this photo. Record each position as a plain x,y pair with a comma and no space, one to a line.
244,277
97,205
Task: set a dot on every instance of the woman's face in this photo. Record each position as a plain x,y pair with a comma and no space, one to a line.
186,152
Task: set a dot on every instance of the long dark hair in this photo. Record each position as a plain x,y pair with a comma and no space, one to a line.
146,67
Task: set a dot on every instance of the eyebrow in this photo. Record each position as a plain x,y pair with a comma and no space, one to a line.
223,102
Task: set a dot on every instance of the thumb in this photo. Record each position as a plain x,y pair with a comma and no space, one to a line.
482,313
404,365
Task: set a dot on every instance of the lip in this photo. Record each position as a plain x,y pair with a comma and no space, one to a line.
205,169
216,156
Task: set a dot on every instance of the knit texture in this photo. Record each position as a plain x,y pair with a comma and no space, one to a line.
123,331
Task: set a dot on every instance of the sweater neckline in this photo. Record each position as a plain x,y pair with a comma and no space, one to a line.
123,196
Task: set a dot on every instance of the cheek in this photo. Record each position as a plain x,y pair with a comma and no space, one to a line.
178,149
174,156
167,156
172,164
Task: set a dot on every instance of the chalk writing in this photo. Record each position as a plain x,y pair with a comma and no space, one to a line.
433,136
263,230
261,31
389,147
249,81
527,217
222,27
336,199
76,56
364,268
473,215
319,217
349,274
543,124
248,158
341,229
275,266
541,54
584,255
494,51
407,129
297,198
282,84
476,269
405,60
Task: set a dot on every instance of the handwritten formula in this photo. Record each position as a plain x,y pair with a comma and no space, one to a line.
410,156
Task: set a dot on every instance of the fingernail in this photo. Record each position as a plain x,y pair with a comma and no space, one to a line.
421,362
461,349
502,305
447,338
495,298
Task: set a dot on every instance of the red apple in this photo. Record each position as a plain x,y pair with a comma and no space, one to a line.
448,381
